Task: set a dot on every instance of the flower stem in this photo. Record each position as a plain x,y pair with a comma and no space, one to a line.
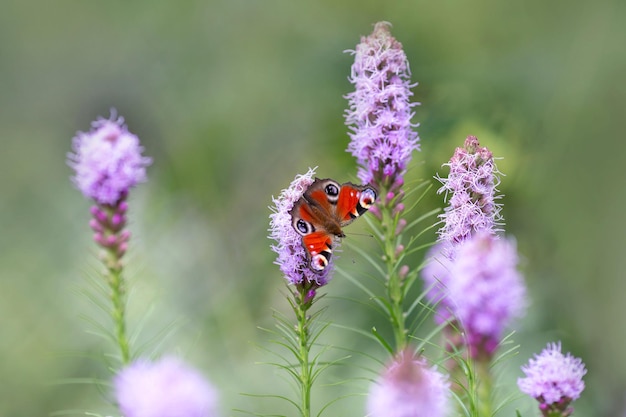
301,306
395,284
485,388
116,283
113,241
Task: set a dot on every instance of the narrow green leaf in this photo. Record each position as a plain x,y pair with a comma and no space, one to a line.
382,341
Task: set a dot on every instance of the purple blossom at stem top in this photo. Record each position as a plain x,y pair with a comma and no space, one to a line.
486,291
165,388
294,264
382,139
379,114
107,161
470,190
408,387
554,380
291,255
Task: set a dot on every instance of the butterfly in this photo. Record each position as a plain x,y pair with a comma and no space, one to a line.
321,213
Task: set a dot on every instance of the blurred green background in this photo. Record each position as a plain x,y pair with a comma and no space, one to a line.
232,99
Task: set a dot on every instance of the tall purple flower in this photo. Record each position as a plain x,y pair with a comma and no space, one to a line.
471,191
292,257
166,388
553,379
382,139
409,388
379,113
107,161
486,291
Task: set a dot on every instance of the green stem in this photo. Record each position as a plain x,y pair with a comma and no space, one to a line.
485,388
301,308
116,283
395,285
113,262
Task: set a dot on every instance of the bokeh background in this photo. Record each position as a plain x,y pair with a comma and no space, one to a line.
232,99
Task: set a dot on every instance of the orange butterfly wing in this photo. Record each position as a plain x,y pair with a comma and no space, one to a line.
322,211
318,246
346,209
317,241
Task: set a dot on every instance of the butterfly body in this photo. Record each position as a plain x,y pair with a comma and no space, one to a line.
321,213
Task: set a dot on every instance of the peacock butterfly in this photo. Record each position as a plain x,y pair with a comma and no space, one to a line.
324,208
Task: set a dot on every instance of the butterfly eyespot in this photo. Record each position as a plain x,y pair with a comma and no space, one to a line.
332,190
367,198
303,227
318,262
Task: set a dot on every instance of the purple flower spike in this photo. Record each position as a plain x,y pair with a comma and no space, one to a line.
167,388
553,379
486,291
473,215
379,114
107,161
470,189
409,388
292,257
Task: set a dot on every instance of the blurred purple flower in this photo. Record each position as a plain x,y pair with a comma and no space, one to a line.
166,388
436,276
486,291
409,388
553,379
379,113
292,258
470,189
107,161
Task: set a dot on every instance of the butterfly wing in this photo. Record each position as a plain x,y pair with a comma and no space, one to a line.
322,211
308,221
319,248
353,201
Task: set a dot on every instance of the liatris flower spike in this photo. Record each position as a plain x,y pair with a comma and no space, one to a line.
291,255
408,387
382,139
166,388
553,379
108,162
472,274
295,266
486,291
471,190
379,114
306,222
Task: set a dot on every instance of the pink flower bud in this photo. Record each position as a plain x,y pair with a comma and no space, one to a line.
401,226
